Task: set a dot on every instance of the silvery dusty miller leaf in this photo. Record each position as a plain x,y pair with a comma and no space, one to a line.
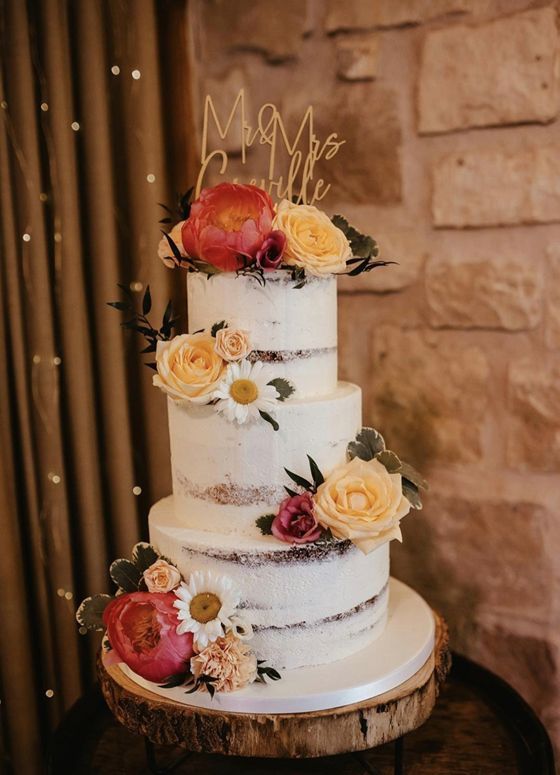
410,492
144,555
372,439
90,612
390,461
126,575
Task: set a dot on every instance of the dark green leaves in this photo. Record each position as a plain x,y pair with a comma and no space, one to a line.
218,327
90,612
370,444
269,419
285,388
299,277
175,680
264,524
311,487
203,681
126,575
266,672
140,323
364,249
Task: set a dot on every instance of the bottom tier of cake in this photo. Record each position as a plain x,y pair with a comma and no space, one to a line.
308,604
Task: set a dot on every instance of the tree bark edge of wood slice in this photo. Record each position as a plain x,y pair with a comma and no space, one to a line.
356,727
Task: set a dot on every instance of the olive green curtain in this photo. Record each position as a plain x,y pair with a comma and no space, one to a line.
94,132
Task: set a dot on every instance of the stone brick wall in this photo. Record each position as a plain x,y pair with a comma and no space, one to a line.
450,112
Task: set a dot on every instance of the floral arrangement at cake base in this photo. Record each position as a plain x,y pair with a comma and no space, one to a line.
172,631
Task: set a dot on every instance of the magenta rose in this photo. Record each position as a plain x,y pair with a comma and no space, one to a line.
142,631
269,256
296,523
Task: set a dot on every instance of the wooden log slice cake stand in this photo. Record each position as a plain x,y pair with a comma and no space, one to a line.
347,729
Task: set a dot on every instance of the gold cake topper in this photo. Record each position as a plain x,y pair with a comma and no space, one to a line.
270,130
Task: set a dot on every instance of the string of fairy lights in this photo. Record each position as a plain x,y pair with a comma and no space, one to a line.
38,361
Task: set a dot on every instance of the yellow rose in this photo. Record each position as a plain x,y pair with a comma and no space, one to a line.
161,577
189,368
232,344
312,240
362,501
164,248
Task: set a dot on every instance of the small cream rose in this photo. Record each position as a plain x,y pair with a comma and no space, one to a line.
161,577
188,367
229,661
312,240
362,501
233,344
164,248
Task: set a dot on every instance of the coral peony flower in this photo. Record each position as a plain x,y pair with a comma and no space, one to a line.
269,255
229,661
227,225
161,577
296,522
188,367
362,501
142,630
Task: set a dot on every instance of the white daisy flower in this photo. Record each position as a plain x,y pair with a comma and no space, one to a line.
206,606
245,391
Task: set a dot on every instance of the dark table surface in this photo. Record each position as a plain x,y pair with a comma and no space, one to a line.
480,726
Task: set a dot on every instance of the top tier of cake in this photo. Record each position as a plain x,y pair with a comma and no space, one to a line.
294,330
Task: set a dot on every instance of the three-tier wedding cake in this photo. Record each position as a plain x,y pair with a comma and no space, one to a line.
272,554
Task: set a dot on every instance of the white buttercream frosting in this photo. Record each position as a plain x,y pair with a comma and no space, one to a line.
226,475
294,329
308,604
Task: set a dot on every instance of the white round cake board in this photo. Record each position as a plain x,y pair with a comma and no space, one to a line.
400,651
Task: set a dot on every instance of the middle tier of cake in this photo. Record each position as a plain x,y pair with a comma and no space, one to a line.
308,604
226,475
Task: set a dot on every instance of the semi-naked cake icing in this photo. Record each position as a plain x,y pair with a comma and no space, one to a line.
309,604
272,553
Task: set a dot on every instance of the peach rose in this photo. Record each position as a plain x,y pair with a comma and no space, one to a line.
164,248
233,344
362,501
312,240
227,225
161,577
188,367
229,661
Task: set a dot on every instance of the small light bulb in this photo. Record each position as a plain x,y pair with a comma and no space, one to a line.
49,693
82,630
57,236
61,592
151,178
26,237
54,478
69,596
36,359
56,360
136,74
44,107
4,105
43,197
115,69
137,490
136,286
75,126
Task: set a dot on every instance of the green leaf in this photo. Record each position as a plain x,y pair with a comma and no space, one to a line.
269,419
389,460
265,523
126,575
408,472
144,555
372,439
127,292
285,388
175,680
299,480
357,449
318,477
291,493
151,348
151,366
410,492
122,305
218,327
174,249
90,612
268,672
147,301
168,312
205,267
340,222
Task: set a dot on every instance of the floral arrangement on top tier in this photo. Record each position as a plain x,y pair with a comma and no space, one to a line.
173,632
363,501
238,228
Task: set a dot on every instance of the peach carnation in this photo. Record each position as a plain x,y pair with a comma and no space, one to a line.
227,659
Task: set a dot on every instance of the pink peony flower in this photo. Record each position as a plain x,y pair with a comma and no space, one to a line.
141,627
227,225
296,523
269,256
